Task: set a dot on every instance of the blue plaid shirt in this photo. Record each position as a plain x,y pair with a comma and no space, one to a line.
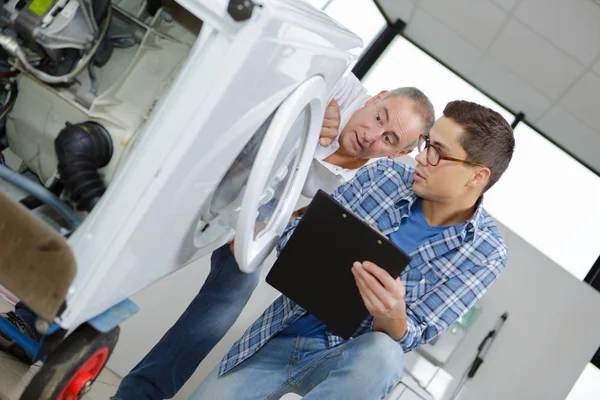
446,277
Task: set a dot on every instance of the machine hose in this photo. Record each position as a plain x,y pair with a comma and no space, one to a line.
42,194
82,149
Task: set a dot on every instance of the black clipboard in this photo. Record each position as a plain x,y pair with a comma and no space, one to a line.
314,268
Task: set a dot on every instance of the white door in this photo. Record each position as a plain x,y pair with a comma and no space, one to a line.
257,194
279,173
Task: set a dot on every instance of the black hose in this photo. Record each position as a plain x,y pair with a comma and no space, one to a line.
81,150
4,110
41,193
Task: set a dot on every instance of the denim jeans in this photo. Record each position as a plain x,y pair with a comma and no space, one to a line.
167,367
365,368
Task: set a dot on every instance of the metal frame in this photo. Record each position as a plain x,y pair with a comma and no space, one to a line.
593,278
518,118
596,359
377,47
33,348
104,322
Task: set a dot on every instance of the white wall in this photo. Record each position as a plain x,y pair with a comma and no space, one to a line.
552,331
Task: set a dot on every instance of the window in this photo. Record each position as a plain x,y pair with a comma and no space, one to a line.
360,16
545,196
550,200
587,386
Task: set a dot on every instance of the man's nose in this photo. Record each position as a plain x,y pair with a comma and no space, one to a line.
373,134
421,157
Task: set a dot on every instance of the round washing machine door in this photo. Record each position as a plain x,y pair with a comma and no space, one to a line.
278,173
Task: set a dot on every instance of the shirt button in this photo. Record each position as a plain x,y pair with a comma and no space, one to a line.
396,225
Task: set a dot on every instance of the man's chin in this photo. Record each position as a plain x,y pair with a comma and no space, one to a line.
418,188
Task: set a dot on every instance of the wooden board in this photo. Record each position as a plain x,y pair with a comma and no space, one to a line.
36,262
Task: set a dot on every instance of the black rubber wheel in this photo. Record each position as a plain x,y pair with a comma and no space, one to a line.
72,368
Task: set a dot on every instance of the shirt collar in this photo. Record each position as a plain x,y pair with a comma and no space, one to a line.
472,226
345,173
469,228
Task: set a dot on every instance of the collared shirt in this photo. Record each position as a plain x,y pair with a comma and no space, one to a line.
414,230
445,278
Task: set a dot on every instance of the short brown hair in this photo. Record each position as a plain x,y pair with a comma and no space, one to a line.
488,139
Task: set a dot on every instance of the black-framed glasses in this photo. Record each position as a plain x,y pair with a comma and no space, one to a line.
433,153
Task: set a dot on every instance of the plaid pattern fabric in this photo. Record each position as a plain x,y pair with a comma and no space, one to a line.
446,277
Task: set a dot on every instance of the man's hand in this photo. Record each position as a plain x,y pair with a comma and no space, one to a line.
298,213
383,297
331,124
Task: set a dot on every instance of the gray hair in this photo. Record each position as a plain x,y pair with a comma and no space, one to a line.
423,107
412,146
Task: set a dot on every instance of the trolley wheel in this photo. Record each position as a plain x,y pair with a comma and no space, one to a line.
71,369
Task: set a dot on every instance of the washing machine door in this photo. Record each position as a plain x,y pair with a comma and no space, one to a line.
278,173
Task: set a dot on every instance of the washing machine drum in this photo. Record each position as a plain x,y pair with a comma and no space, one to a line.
228,195
257,195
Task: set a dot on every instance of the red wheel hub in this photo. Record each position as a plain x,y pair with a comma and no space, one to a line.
84,376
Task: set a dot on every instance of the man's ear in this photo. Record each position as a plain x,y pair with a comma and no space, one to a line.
400,153
376,98
481,178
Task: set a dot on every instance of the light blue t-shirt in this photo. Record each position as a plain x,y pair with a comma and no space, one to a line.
414,230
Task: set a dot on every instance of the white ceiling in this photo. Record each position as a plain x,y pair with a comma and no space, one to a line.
540,57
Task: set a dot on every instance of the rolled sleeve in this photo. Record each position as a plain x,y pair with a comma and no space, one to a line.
414,333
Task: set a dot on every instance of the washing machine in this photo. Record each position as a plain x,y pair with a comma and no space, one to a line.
236,131
213,110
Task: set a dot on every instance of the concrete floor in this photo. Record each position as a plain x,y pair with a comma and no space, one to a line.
15,375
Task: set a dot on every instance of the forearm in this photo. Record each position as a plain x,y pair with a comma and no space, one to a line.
393,327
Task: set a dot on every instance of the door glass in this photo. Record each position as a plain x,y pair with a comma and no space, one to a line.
283,172
233,183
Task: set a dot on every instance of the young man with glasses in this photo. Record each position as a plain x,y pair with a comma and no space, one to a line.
433,212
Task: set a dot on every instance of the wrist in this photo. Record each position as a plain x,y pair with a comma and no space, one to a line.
393,326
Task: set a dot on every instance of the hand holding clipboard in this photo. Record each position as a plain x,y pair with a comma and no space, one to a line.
383,297
315,269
